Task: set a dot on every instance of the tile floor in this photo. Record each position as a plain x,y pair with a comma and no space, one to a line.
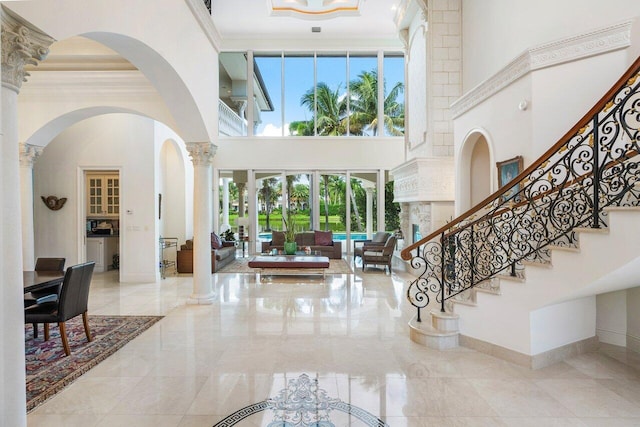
202,363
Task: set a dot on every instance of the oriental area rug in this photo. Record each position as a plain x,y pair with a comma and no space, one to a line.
239,265
49,370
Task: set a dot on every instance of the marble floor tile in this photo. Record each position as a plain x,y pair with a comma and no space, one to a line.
202,363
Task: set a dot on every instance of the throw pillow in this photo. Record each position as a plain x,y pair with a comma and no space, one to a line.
277,238
216,241
324,238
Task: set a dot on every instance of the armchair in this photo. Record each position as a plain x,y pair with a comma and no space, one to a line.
377,241
380,255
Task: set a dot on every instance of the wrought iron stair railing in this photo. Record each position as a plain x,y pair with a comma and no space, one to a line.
593,166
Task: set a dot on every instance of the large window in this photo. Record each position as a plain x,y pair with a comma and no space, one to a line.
326,94
268,122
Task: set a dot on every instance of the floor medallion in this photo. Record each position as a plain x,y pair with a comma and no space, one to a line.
302,404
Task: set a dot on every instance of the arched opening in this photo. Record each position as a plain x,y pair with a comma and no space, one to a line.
480,171
475,173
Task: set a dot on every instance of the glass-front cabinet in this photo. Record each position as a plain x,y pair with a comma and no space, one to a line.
103,195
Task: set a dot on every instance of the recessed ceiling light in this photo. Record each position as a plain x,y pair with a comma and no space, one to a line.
315,29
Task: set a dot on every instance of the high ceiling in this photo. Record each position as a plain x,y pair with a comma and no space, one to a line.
254,19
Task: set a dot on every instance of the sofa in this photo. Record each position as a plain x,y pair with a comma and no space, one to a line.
220,257
320,242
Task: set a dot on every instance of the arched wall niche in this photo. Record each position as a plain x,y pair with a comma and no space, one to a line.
475,174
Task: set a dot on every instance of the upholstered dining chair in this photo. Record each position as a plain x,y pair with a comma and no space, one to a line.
377,241
44,295
49,294
72,302
380,255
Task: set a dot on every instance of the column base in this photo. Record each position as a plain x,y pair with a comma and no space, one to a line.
201,299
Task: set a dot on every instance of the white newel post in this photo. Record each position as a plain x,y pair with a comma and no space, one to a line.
21,44
202,157
28,155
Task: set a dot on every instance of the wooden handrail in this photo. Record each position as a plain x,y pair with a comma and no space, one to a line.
629,155
584,121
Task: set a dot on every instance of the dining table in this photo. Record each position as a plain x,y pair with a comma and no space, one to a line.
37,280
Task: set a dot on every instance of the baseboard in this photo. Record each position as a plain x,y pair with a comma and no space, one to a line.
536,361
612,337
633,343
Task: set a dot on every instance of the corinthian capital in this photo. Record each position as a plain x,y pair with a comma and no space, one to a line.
22,44
201,152
28,154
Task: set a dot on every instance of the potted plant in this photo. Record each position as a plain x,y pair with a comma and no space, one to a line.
290,245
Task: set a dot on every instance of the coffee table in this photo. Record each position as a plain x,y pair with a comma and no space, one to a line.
289,264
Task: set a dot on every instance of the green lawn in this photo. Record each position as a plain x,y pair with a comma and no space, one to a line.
302,221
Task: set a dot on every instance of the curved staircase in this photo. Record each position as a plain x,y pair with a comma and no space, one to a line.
519,272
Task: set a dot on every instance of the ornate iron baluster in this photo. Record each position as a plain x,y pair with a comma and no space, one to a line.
595,166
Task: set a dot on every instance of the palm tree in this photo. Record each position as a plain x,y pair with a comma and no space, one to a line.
300,194
330,108
364,106
325,181
269,195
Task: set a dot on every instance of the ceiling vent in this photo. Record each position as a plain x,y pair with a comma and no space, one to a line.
316,29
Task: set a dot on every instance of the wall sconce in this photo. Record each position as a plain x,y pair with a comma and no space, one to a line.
53,203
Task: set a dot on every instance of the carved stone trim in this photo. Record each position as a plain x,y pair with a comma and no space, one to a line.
424,179
29,154
201,153
595,42
22,44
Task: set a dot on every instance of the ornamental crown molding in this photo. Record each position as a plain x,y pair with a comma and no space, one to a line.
596,42
202,15
201,153
314,9
22,44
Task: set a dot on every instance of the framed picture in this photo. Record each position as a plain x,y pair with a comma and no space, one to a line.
507,170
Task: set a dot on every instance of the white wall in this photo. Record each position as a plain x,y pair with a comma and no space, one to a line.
509,129
561,324
417,90
633,319
302,153
115,141
175,175
611,318
563,94
496,31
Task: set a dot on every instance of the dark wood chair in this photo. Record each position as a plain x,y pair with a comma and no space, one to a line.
44,295
49,294
380,255
377,241
72,302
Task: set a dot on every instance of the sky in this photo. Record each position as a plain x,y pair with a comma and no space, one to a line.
299,78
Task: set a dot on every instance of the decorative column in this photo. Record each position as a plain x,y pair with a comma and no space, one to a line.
225,205
241,186
369,225
28,155
22,44
381,217
202,157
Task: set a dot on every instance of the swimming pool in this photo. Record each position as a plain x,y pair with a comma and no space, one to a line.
266,236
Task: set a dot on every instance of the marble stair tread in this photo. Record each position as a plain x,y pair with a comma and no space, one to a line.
564,248
425,328
537,264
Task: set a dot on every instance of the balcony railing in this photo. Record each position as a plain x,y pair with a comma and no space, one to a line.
229,122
